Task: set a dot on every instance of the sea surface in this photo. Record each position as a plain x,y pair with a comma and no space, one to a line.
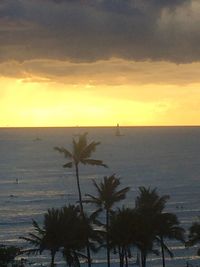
32,178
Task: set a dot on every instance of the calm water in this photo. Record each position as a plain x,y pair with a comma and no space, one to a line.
164,157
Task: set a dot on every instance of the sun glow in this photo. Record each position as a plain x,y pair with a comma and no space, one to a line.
30,104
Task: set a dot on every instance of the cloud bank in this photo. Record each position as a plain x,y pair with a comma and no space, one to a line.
114,72
93,30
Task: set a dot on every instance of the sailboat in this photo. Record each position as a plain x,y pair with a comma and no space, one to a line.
117,132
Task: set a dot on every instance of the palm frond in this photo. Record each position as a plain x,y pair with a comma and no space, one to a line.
93,199
89,149
68,165
121,194
31,251
82,141
33,239
38,228
97,187
168,250
63,150
93,162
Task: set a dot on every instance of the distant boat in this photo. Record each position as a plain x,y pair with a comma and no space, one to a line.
37,139
117,132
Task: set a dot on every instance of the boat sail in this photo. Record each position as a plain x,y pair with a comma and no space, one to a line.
117,132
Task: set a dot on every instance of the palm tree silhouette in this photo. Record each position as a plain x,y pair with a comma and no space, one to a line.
149,201
194,235
149,205
122,233
62,228
168,227
107,196
75,234
40,243
81,154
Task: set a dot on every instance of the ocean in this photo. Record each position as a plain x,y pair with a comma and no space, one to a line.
32,178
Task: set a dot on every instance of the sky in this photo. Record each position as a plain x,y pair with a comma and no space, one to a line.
99,62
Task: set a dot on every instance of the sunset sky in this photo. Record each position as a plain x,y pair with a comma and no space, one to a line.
99,62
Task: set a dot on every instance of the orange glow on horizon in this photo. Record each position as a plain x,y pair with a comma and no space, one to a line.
34,104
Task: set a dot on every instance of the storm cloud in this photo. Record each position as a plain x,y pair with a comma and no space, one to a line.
93,30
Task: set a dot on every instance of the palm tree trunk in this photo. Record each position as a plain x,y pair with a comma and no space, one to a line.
126,257
143,258
82,212
88,254
162,251
79,189
52,258
123,257
107,238
121,260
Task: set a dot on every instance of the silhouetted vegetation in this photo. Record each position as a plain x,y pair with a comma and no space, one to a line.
8,254
145,226
154,224
81,154
168,227
107,196
63,230
194,235
122,233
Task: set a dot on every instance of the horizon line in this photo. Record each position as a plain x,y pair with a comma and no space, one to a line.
100,126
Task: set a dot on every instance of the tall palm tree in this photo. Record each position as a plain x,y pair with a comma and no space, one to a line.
194,235
168,227
149,205
107,196
81,154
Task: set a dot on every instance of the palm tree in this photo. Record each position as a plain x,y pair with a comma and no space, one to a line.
144,236
107,196
194,235
149,201
122,233
76,229
81,153
168,226
8,254
40,242
149,205
62,228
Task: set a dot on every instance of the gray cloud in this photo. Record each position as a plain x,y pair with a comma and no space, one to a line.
114,72
91,30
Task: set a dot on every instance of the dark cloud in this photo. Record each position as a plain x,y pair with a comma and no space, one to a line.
91,30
